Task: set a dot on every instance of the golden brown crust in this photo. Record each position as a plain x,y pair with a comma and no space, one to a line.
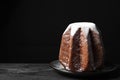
97,49
80,52
65,49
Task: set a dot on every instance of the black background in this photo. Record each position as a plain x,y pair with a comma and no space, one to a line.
31,29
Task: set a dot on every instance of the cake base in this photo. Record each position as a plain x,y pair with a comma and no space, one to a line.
108,69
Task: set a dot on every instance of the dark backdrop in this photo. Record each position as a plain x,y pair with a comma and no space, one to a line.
31,29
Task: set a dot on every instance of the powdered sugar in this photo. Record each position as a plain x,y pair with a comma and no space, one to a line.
84,26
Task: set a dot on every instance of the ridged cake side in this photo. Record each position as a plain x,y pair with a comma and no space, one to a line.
81,48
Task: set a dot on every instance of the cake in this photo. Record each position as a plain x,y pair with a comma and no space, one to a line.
81,47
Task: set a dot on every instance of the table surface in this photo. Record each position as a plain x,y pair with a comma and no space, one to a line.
40,71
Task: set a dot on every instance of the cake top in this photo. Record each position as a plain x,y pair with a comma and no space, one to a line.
84,26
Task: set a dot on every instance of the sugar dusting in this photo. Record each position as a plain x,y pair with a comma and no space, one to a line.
84,26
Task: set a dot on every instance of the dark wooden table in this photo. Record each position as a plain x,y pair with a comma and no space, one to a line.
40,72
